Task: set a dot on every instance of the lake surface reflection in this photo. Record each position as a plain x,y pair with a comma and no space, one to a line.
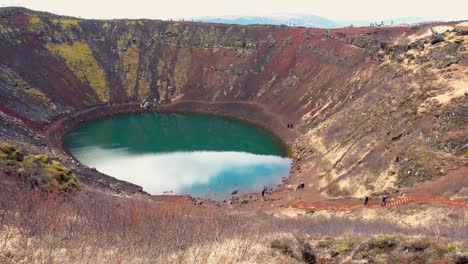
200,155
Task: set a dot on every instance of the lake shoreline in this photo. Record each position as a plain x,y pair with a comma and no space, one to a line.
247,112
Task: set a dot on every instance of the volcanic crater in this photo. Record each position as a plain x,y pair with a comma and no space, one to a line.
375,110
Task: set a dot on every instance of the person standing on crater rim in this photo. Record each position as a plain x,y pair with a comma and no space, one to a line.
366,200
264,189
384,201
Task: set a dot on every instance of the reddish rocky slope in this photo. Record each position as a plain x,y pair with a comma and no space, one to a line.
375,109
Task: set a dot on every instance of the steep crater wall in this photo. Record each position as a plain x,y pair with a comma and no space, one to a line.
368,104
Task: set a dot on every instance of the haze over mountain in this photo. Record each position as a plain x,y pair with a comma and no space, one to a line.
280,19
309,20
335,10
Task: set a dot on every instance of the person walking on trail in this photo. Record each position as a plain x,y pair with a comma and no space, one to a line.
264,189
301,186
384,201
366,200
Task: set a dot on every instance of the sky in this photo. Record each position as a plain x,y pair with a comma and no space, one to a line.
337,10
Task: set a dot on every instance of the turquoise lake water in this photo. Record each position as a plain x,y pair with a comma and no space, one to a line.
200,155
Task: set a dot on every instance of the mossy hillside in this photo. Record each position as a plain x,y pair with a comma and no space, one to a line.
144,86
39,95
106,25
450,248
133,22
23,88
383,242
8,151
79,58
173,30
417,166
130,60
125,40
36,24
67,24
12,78
49,173
346,245
383,248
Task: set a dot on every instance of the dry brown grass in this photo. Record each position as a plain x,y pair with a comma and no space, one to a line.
40,227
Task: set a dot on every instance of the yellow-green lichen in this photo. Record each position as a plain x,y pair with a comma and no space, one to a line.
8,151
450,248
66,24
106,25
79,58
51,173
39,95
346,245
130,61
124,39
172,31
133,22
22,86
144,86
384,241
36,24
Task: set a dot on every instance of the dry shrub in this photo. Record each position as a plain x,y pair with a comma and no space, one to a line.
91,227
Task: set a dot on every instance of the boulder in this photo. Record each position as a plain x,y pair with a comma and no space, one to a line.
447,62
437,39
295,248
461,32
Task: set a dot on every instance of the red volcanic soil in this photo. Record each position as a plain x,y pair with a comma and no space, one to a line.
23,119
349,204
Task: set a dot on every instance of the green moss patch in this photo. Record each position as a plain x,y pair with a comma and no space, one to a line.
346,245
51,173
450,249
66,24
36,24
79,58
384,242
8,151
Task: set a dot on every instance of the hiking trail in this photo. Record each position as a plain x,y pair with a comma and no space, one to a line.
301,204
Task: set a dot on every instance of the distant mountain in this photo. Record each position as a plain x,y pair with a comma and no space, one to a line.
391,21
290,20
309,21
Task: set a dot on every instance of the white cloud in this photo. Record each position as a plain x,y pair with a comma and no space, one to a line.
175,171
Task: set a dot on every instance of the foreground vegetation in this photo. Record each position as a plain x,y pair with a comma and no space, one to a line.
48,216
91,227
39,170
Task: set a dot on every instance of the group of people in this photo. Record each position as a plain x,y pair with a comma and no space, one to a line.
290,125
264,191
382,203
301,186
